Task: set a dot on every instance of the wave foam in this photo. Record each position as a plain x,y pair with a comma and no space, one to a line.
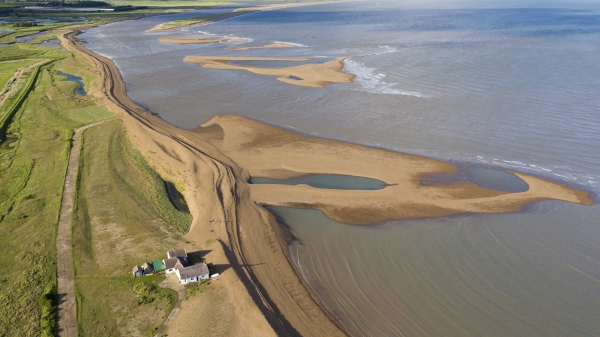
372,81
291,44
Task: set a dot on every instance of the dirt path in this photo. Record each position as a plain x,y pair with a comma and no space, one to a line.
11,83
172,282
67,309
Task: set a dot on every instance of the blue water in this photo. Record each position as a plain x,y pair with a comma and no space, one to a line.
497,84
330,181
80,90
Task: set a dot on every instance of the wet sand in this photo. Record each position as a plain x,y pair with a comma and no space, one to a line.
268,296
311,75
268,151
215,163
201,39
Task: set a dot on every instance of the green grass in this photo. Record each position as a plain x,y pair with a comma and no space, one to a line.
123,218
40,116
7,70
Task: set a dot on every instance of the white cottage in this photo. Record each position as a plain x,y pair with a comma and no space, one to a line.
193,273
173,264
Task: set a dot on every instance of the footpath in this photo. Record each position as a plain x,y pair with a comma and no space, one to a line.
67,306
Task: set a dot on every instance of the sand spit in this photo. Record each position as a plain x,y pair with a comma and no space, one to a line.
201,39
163,27
267,46
308,75
268,151
267,296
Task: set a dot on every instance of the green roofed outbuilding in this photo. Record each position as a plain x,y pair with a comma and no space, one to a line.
158,266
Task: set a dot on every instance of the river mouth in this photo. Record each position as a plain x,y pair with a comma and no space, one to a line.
492,178
327,181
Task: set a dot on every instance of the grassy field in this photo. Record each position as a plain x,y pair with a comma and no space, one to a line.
38,119
123,218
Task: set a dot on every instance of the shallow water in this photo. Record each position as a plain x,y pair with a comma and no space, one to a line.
30,37
80,90
330,181
495,179
513,85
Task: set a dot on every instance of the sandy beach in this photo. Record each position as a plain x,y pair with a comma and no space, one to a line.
201,39
267,46
308,75
216,161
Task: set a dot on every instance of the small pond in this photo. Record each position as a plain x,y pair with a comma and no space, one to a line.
496,179
328,181
54,43
72,78
29,37
276,63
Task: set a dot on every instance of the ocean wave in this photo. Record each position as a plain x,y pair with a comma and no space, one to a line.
291,44
372,81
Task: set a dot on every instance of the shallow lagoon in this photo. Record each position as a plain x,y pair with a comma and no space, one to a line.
330,181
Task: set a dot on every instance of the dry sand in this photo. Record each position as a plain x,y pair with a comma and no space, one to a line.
268,151
201,39
267,295
312,75
214,164
267,46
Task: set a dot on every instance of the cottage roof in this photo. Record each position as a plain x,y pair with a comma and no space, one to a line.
173,263
194,271
179,252
157,265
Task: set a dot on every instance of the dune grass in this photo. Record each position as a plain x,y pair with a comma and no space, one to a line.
123,218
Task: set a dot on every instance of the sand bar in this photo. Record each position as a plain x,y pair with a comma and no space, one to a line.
268,151
201,39
308,75
267,46
266,295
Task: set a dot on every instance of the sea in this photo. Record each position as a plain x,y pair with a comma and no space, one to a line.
502,84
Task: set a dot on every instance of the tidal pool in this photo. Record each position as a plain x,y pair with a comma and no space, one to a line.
328,181
276,63
495,179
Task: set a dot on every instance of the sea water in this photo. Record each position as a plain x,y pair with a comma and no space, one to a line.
499,85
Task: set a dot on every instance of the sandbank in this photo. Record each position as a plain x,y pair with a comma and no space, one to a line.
268,151
311,75
215,162
201,39
268,298
267,46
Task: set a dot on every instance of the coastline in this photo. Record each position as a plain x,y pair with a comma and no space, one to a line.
240,212
271,299
240,11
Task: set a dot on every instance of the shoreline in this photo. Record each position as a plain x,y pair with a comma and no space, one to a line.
237,12
266,289
238,200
